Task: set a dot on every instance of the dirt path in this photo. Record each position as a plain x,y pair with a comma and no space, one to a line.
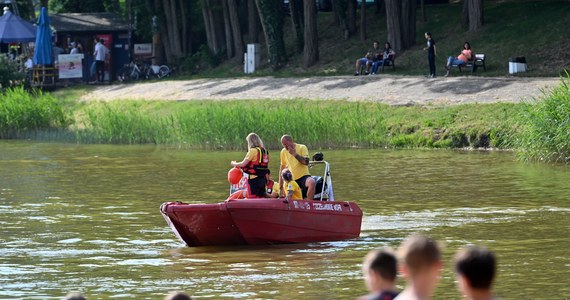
393,90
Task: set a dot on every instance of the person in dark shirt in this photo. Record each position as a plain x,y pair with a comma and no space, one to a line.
475,268
368,59
432,53
380,270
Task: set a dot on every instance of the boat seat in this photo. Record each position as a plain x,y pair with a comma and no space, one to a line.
319,187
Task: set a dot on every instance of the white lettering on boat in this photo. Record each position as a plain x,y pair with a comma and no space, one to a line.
327,206
301,205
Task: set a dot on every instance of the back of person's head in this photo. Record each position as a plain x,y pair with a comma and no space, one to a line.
177,296
478,265
382,262
75,296
286,175
253,140
419,253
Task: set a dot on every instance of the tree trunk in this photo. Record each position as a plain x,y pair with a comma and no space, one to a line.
186,26
351,16
424,15
393,22
465,14
475,15
31,8
311,52
211,32
379,6
408,23
236,29
341,7
296,8
252,22
227,30
363,21
272,23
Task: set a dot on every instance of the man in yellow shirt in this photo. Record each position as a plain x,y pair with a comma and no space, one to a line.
293,190
295,157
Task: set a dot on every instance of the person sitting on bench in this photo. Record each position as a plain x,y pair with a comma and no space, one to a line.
465,56
382,60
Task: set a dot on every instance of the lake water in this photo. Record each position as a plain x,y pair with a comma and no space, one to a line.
85,218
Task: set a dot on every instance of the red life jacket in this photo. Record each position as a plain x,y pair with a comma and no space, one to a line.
260,165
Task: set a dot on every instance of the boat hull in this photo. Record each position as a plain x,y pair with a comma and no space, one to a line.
263,221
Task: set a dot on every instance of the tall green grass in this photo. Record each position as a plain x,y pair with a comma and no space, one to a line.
320,124
23,113
545,126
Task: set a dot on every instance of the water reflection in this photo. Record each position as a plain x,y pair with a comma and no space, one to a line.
86,218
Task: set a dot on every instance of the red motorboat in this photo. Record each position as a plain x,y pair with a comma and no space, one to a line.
263,221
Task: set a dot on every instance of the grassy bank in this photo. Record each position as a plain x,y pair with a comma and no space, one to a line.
537,30
320,124
539,129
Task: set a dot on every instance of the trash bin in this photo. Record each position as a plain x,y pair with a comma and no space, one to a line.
517,64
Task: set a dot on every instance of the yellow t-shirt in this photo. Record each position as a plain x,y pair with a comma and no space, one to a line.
293,186
297,169
275,189
252,155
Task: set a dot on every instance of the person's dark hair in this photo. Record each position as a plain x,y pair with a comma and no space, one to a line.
382,262
478,265
286,174
468,46
388,43
377,42
428,33
177,296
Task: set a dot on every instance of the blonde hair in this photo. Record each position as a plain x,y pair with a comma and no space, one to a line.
253,140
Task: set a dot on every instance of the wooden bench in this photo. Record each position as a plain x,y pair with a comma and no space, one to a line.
477,61
388,63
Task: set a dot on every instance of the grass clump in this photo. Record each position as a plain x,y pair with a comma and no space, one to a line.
545,126
23,113
319,124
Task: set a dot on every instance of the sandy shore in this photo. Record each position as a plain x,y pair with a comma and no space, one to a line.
393,90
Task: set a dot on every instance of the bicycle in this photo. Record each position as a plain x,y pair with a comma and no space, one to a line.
158,71
129,72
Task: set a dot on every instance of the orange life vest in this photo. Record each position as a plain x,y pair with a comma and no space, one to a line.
260,165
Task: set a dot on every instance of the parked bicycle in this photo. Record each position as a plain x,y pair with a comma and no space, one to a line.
134,71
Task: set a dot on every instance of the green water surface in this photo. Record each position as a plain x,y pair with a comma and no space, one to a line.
85,218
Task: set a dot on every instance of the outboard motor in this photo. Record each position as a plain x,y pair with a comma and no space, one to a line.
319,188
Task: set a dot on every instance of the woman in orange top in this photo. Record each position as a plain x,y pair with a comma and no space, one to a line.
463,58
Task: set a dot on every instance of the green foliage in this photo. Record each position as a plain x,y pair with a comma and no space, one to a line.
320,124
9,74
22,113
272,18
202,59
545,126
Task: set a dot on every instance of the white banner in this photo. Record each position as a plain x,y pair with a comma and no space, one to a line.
70,65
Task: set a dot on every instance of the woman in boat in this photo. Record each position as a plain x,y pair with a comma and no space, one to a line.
255,164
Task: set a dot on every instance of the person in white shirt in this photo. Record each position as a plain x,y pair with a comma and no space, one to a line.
100,54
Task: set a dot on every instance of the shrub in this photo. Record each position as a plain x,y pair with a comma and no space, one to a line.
9,74
545,126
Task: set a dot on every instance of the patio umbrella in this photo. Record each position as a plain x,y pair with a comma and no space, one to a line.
43,52
15,30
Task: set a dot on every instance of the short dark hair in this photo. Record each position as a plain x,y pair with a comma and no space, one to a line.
382,262
468,45
428,33
478,265
419,252
178,296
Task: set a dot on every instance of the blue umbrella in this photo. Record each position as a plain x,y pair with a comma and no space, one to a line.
15,30
43,53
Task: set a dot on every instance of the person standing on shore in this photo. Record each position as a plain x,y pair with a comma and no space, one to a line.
295,157
475,268
100,53
432,53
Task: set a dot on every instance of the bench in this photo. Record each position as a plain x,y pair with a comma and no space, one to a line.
388,63
478,61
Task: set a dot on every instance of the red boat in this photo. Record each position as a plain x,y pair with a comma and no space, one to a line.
262,221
